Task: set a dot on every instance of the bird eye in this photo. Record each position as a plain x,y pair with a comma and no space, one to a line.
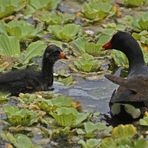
56,53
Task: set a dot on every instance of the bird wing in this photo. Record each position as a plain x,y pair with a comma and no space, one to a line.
25,78
137,83
12,76
124,95
20,81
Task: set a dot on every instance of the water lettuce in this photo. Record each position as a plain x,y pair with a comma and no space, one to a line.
18,140
87,63
65,116
96,10
89,47
21,29
134,2
39,4
10,6
141,23
54,18
9,46
18,116
66,33
119,58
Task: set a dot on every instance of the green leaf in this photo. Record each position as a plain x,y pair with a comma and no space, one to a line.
90,143
49,4
81,117
45,105
119,58
27,98
10,6
65,116
134,2
87,63
23,141
142,37
66,33
89,47
55,18
141,22
21,29
62,101
33,50
123,131
18,140
93,127
97,9
9,46
103,39
3,97
18,116
133,111
38,5
127,20
144,121
66,120
10,110
109,142
66,81
9,137
141,143
106,34
3,28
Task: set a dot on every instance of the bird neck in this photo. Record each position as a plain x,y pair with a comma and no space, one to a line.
47,71
135,58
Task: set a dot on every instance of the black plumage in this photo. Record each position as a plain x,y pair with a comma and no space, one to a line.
27,81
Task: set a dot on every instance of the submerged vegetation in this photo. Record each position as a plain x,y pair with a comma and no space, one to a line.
80,28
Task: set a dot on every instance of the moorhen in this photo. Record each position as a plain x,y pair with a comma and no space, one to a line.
27,81
131,98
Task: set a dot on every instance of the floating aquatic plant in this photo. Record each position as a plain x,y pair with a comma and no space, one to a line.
87,63
89,47
97,10
119,58
141,23
65,116
10,6
21,29
134,2
54,18
66,33
18,116
10,46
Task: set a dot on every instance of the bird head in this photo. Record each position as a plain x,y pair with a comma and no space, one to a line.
53,53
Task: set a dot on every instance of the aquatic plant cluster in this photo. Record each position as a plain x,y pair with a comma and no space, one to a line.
80,28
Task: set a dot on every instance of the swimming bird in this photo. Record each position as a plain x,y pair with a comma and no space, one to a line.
27,81
132,93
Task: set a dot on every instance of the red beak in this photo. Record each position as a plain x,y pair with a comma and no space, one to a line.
62,56
107,45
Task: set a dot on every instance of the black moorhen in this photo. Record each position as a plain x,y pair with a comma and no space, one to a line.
131,98
27,81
